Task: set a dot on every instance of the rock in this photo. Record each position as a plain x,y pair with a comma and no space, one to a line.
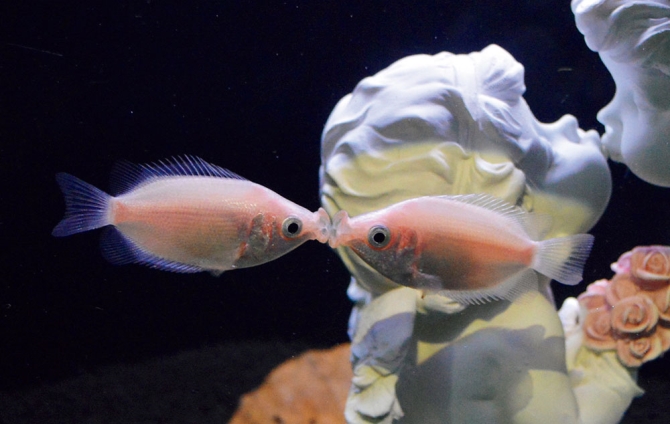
309,389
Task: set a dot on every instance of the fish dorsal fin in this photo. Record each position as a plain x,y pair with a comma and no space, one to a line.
489,202
127,176
535,225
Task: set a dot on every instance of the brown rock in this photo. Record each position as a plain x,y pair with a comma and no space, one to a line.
309,389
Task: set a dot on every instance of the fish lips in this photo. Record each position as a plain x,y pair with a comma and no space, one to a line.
323,226
316,226
340,233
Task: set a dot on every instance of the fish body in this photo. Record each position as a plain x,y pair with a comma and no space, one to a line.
471,248
186,215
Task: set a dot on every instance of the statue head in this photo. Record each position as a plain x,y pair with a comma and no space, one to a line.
633,40
458,124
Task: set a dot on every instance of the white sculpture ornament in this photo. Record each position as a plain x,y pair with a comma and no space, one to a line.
458,124
633,40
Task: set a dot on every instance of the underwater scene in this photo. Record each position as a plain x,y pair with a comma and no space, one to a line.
335,212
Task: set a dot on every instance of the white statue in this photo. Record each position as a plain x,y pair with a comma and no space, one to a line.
458,124
633,40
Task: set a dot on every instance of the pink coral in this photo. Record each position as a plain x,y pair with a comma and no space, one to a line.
651,265
594,297
634,316
622,265
620,287
634,352
598,331
664,335
631,312
661,298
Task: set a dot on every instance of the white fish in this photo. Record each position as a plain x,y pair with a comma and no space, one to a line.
186,215
471,248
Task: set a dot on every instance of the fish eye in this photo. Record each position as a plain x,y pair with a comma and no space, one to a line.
291,227
379,236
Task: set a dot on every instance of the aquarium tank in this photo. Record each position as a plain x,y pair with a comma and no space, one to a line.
300,212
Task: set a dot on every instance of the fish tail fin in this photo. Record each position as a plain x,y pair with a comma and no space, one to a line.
86,207
562,259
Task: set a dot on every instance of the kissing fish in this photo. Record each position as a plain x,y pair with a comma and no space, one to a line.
470,248
186,215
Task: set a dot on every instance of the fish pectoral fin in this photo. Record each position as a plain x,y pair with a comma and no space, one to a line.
509,289
426,282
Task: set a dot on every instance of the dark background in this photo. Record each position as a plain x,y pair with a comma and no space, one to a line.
247,85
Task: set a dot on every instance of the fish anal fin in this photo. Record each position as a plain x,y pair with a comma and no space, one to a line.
120,250
509,289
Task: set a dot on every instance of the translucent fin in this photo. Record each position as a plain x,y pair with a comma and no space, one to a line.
562,259
120,250
424,281
535,225
127,176
86,207
489,202
509,289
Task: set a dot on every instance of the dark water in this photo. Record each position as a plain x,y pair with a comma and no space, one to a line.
247,85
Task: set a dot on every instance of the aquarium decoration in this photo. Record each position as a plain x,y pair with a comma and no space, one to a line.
616,326
311,388
451,124
444,131
633,41
628,314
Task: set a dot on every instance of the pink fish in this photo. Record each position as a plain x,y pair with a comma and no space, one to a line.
471,248
186,215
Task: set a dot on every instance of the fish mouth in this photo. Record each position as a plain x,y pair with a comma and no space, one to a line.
340,230
322,225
